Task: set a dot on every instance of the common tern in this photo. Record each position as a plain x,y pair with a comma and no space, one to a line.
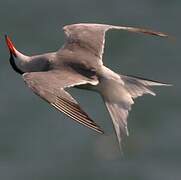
79,64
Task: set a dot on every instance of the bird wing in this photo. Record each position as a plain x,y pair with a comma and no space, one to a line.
91,37
50,86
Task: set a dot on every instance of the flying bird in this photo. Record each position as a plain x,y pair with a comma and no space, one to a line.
79,63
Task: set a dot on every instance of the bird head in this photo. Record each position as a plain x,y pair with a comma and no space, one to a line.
26,63
14,53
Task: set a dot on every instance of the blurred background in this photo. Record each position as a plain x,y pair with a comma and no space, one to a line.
39,143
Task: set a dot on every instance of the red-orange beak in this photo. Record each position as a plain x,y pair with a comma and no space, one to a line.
10,45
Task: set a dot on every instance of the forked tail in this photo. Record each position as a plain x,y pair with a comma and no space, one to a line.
119,96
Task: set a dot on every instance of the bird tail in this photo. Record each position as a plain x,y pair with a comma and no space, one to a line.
118,102
118,95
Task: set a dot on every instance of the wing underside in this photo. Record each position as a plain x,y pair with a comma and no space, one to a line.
91,37
50,86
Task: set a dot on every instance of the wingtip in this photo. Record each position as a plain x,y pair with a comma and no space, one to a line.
163,34
156,33
100,131
168,85
165,84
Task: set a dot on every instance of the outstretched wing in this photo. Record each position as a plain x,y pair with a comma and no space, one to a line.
50,86
91,37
